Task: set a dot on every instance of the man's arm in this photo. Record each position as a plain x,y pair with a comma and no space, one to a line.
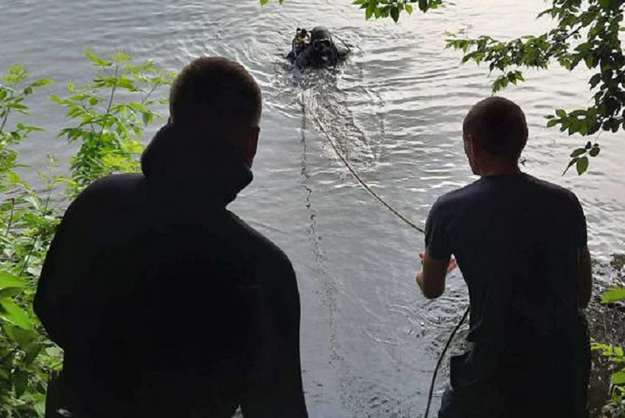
68,299
276,388
437,261
584,268
65,262
584,277
431,278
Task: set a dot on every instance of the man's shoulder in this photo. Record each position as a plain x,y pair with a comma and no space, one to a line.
106,194
257,242
522,184
549,187
551,196
112,185
458,196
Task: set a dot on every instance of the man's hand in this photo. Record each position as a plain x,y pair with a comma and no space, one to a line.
453,264
431,278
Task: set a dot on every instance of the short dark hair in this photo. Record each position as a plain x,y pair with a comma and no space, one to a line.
215,89
498,126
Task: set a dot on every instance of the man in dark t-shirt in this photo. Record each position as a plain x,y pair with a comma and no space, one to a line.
520,243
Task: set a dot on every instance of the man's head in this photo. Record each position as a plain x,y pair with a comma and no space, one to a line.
495,133
218,95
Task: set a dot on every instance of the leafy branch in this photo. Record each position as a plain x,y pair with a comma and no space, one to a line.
587,32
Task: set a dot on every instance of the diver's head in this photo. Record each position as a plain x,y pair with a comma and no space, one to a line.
320,39
495,133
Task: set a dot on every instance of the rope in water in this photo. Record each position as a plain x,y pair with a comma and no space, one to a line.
361,181
411,224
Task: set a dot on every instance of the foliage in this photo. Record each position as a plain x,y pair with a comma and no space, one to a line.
586,32
614,353
616,407
28,225
393,8
109,130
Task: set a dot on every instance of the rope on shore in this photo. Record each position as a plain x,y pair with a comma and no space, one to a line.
408,222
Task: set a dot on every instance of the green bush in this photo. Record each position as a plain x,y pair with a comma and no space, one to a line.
616,355
107,117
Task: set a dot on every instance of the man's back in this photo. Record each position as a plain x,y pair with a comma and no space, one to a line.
171,300
516,240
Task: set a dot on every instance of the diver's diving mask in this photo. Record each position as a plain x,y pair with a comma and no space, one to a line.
322,44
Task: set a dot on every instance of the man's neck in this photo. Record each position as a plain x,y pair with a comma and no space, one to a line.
500,169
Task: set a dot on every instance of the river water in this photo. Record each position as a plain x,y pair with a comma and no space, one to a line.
369,339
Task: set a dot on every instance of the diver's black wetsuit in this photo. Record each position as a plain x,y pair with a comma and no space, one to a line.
320,52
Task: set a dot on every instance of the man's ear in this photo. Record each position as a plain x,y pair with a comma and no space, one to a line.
469,145
469,150
250,145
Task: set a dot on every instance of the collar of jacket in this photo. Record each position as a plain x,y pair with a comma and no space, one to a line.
185,163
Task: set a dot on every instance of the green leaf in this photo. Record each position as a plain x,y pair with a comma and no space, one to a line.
409,8
618,378
57,100
8,280
9,292
369,11
42,82
578,152
615,294
263,2
571,164
423,5
12,313
595,151
97,61
32,353
552,123
15,74
561,113
582,165
121,57
395,14
20,382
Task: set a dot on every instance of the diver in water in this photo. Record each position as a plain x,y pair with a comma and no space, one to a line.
316,49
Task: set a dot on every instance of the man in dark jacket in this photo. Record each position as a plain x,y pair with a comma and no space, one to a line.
165,303
520,243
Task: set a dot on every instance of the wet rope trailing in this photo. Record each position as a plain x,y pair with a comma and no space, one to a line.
361,181
408,222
